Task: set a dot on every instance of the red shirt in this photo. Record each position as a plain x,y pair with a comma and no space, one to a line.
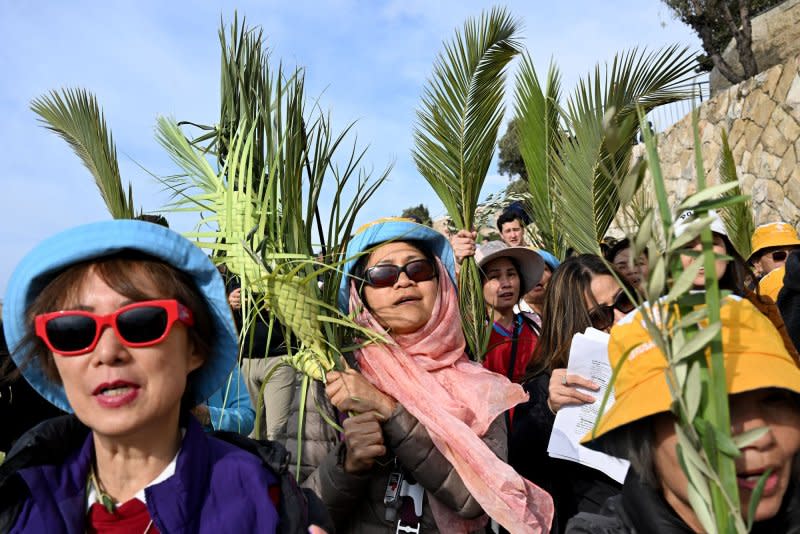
498,355
131,517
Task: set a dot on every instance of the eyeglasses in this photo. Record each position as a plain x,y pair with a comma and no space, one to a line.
602,316
387,274
141,324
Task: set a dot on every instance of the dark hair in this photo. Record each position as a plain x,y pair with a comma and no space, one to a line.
155,219
564,311
509,216
124,273
737,273
358,272
616,248
634,442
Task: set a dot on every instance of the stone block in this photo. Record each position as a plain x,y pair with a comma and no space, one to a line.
759,109
789,211
736,132
773,141
759,192
787,123
771,78
793,94
774,194
792,192
787,77
786,168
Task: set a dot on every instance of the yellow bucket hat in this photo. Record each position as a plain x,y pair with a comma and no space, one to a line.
772,283
755,358
776,234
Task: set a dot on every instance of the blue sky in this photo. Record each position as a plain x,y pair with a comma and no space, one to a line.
367,61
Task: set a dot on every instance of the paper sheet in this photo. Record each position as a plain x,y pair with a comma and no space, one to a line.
588,357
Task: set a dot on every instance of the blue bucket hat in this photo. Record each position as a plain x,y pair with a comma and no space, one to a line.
98,240
549,259
392,229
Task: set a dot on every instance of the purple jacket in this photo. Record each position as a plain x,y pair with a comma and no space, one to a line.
217,487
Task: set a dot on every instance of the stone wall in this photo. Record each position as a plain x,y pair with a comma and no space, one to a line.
776,40
762,118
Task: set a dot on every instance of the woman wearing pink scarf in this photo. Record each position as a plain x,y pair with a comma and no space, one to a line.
424,449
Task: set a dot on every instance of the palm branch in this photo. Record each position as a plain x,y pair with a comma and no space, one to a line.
75,115
456,132
738,218
538,120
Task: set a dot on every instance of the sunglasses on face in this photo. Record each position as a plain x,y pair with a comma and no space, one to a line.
386,275
602,316
141,324
780,255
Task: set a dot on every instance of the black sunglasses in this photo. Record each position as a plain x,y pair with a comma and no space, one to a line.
779,255
602,316
386,275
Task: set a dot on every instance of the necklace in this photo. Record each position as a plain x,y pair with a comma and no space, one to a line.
105,499
102,497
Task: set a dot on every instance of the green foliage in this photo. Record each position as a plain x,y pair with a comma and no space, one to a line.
420,213
510,160
75,115
686,328
738,218
255,181
456,132
579,156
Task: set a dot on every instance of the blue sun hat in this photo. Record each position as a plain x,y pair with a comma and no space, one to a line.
392,229
97,240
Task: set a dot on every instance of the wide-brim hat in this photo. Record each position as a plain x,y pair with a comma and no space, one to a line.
754,353
97,240
776,234
392,229
530,264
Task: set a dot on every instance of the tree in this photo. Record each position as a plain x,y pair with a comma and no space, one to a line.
419,213
716,22
509,159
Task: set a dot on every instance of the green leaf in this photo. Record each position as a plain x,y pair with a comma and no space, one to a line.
690,232
644,234
75,115
755,497
456,134
751,436
710,192
738,218
685,282
693,391
658,277
702,510
726,444
699,341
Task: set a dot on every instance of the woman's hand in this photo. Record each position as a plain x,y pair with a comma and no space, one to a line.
351,392
202,414
363,438
563,391
463,243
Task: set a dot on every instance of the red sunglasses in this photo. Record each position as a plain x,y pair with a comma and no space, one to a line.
141,324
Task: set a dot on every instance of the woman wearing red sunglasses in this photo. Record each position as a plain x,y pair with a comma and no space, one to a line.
424,441
126,324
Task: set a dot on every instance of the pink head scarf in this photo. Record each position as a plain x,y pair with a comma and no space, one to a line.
455,400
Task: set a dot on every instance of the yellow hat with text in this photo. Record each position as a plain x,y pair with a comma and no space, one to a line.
776,234
755,358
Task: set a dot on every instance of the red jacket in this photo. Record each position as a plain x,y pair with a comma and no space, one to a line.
498,355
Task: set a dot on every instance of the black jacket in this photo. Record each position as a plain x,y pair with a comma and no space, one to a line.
641,509
574,487
789,298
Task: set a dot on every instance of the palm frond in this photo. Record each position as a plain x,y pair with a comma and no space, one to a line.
456,133
738,218
75,115
461,111
538,120
602,122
